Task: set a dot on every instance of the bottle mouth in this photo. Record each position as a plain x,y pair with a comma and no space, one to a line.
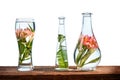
61,17
87,14
61,20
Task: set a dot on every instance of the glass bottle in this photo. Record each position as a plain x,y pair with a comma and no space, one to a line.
87,54
61,53
24,29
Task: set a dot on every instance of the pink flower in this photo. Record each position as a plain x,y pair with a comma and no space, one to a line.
24,33
89,41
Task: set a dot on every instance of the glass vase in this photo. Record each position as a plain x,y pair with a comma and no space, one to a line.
87,54
61,62
24,29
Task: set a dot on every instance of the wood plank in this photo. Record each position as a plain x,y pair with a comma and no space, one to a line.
48,73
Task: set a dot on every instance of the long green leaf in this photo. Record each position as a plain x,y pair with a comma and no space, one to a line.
31,28
94,60
21,47
62,56
85,57
24,50
79,56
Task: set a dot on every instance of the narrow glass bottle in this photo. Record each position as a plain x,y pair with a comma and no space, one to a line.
61,52
24,29
87,54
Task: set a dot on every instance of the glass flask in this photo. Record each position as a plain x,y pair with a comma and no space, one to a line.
24,29
87,54
61,62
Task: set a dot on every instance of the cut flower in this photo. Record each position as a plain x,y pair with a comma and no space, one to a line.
25,39
86,46
89,41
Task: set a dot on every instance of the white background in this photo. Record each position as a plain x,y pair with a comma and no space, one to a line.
105,22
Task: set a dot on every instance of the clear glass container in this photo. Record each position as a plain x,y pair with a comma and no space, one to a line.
87,54
25,29
61,62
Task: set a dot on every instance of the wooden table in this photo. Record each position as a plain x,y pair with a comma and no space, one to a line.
48,73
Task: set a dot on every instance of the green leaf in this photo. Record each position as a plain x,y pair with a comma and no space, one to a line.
61,38
94,60
81,50
62,57
21,46
62,53
28,58
29,44
31,28
86,56
24,50
79,57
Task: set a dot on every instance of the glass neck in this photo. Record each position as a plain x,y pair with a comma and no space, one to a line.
61,29
87,24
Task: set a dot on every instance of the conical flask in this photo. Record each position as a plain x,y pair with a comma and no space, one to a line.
61,62
87,54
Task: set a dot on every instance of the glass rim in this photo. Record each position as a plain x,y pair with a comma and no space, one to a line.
24,20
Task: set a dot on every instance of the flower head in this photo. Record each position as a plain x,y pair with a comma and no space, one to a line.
24,33
89,41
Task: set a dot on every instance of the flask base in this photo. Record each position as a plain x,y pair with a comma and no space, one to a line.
25,68
61,69
86,68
